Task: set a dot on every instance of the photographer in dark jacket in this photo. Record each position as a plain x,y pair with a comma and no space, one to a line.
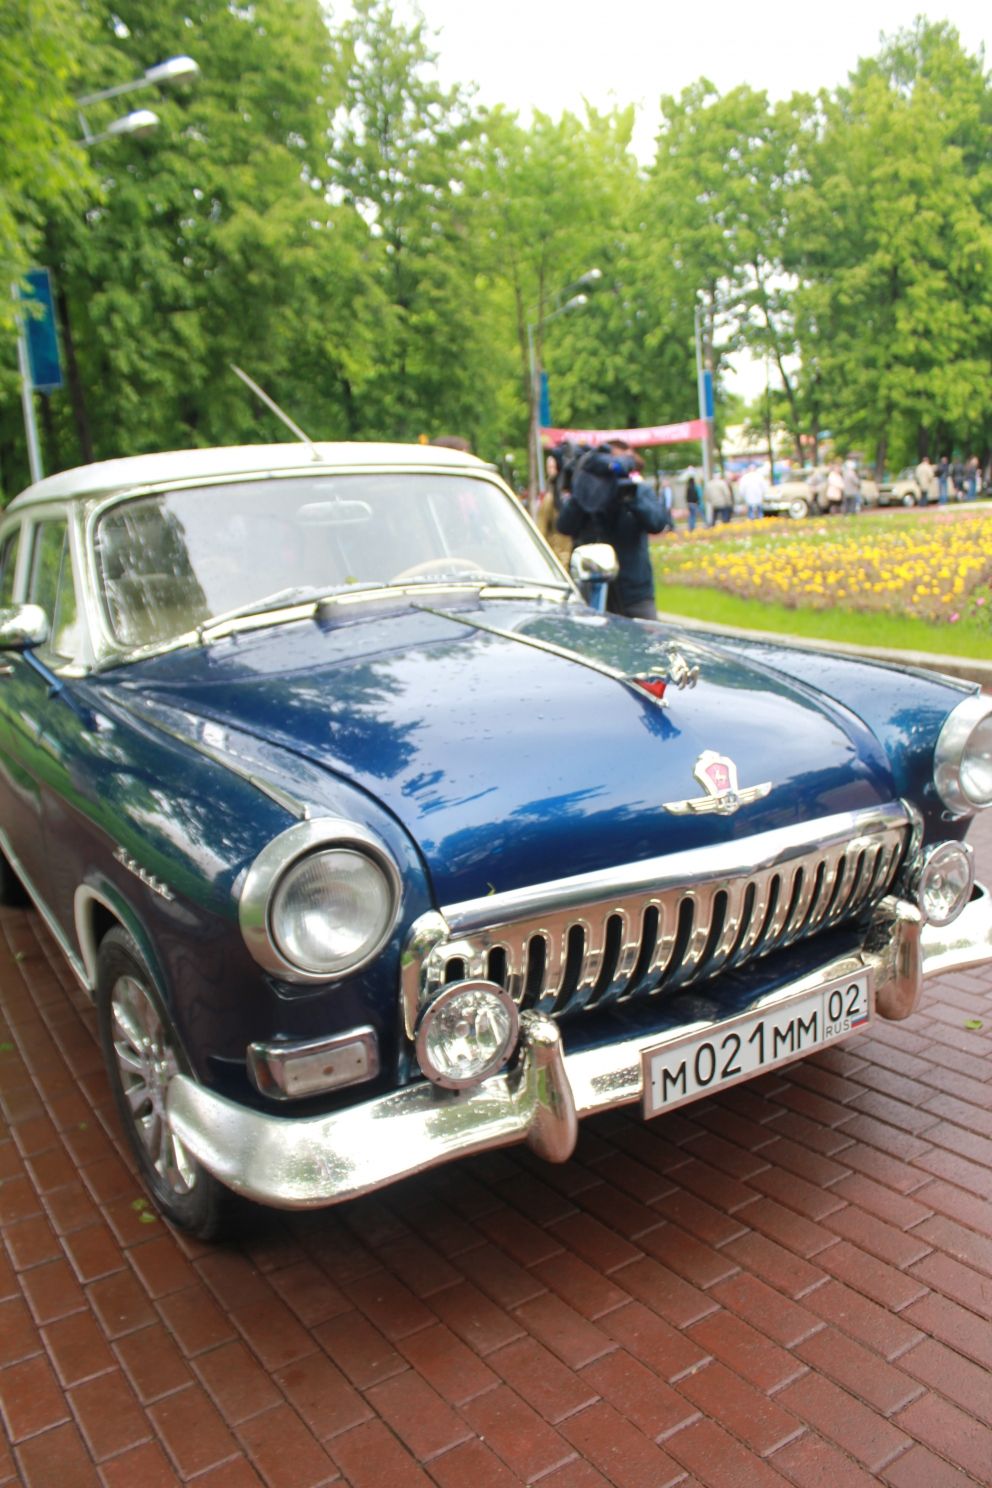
610,503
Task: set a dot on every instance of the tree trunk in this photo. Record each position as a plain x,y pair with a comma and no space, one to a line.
77,392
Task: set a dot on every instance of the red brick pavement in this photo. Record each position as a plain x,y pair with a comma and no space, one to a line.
791,1284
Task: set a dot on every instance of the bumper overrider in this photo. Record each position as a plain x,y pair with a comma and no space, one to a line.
309,1162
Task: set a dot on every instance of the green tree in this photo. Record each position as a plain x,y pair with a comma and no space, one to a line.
399,149
213,242
893,245
44,42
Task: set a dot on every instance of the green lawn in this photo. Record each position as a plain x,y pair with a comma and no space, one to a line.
850,627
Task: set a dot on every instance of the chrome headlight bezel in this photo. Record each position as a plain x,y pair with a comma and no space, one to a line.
951,752
267,873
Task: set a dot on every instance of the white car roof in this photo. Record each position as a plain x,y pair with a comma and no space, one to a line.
175,466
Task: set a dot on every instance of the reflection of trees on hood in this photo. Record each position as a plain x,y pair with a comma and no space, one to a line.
354,705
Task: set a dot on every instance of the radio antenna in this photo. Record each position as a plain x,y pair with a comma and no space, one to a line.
271,403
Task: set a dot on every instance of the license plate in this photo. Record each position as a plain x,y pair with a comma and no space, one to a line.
698,1064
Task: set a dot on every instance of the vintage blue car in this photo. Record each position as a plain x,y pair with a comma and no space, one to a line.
376,844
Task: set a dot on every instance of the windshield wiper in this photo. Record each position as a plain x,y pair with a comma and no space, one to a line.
299,594
296,594
482,578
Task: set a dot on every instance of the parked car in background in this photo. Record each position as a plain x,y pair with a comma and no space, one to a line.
800,495
375,844
904,490
804,494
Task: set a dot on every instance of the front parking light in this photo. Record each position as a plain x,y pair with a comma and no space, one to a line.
946,879
468,1032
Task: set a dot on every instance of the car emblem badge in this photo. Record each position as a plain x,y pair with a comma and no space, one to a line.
717,774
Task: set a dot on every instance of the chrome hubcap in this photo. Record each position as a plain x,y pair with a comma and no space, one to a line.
146,1063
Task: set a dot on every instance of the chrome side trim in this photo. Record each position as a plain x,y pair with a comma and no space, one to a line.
644,928
227,762
321,1160
46,914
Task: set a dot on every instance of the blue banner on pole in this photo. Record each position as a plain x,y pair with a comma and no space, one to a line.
42,338
544,412
707,394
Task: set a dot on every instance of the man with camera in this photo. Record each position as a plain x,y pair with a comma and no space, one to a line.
609,502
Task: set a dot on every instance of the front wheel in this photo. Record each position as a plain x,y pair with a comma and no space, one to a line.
908,499
142,1053
799,508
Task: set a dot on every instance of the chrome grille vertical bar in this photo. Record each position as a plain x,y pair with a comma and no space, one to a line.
754,930
831,864
801,904
668,920
777,918
866,880
733,927
701,899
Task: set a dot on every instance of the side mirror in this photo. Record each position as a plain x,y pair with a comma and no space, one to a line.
592,567
23,626
594,561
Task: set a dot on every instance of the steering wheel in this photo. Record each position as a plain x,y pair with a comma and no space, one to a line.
435,566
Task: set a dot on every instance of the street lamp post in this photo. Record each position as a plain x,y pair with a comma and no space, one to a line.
536,451
137,123
701,390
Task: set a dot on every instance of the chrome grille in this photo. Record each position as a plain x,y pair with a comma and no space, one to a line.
651,928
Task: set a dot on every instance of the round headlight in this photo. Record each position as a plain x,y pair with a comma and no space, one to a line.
945,883
331,911
976,766
468,1032
963,757
320,900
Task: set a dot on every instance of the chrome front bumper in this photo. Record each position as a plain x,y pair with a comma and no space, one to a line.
314,1161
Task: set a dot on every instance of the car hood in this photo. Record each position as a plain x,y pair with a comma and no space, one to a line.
509,764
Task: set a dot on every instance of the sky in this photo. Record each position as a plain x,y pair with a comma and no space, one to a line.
553,54
550,54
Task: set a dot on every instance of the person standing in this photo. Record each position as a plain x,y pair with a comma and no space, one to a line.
852,488
971,477
958,479
925,477
667,499
719,500
692,502
835,488
754,488
943,475
547,512
609,502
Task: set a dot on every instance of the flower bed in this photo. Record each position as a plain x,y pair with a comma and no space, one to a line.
939,570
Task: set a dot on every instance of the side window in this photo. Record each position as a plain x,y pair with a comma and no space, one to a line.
52,586
8,566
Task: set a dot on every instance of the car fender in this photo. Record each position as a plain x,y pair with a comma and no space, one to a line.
100,892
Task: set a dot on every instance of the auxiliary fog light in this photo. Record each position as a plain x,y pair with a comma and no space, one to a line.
468,1032
945,883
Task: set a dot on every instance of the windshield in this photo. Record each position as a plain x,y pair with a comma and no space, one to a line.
170,562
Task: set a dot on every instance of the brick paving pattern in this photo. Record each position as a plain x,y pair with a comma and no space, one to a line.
789,1284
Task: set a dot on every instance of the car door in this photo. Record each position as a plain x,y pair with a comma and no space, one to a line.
36,753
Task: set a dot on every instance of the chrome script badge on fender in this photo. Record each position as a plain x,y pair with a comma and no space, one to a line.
717,774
